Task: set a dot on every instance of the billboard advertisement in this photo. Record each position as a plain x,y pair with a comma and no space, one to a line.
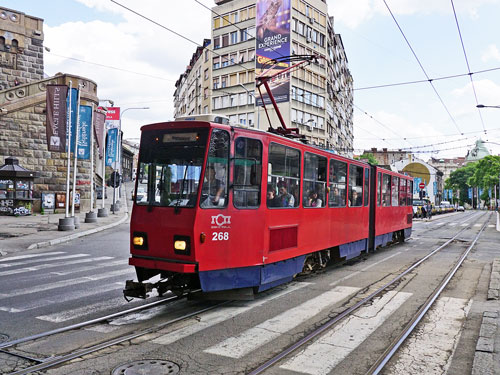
272,42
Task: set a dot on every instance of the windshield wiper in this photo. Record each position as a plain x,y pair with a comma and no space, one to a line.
181,193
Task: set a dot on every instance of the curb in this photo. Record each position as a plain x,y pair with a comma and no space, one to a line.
76,235
498,221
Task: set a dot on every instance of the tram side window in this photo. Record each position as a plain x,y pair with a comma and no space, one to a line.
283,177
355,186
402,192
395,191
338,178
247,172
314,180
386,190
214,190
409,193
367,185
379,189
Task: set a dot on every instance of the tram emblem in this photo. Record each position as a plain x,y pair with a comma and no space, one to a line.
221,220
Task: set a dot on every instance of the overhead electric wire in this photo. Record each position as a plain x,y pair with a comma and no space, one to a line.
421,67
468,66
378,122
111,67
172,31
425,80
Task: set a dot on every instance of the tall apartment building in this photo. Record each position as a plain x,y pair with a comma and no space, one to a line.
317,98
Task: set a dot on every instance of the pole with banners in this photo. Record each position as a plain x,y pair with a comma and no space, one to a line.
91,216
68,146
75,169
102,211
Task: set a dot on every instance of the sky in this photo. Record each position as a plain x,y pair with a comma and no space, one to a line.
419,67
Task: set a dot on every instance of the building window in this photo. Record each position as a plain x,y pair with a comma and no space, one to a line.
234,37
216,61
224,81
216,23
242,119
251,54
205,74
216,102
225,40
225,60
216,83
250,119
216,42
233,100
243,35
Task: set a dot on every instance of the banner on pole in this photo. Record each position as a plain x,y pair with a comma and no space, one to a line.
84,132
56,117
73,110
111,146
113,117
99,119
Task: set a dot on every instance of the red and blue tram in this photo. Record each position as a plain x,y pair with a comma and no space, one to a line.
231,208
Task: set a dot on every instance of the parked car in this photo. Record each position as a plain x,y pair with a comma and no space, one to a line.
460,208
141,194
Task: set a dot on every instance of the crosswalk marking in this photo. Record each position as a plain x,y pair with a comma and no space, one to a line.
52,265
65,297
82,311
65,283
452,224
31,261
122,262
8,259
441,328
477,225
225,313
251,339
324,354
336,282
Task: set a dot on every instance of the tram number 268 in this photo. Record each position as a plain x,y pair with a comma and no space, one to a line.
220,236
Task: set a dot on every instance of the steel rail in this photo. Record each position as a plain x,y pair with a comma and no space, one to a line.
8,344
396,344
54,361
318,331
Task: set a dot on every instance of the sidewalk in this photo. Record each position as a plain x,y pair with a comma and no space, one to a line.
37,231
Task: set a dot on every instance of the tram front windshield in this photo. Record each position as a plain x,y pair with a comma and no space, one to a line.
170,166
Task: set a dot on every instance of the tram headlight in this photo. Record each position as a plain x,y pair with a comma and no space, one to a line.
140,240
182,245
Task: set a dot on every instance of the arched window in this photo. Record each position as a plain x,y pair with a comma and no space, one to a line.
2,43
15,45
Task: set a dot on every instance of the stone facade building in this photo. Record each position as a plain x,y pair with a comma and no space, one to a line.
22,108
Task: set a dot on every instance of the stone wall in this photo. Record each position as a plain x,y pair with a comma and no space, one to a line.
23,135
21,48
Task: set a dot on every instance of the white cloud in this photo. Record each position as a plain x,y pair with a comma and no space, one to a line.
134,45
364,10
491,53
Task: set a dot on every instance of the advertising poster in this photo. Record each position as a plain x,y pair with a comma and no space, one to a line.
272,42
60,200
48,201
84,132
56,117
112,139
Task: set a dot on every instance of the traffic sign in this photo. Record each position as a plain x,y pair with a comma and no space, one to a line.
421,185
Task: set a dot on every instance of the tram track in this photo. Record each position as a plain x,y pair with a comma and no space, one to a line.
53,361
331,323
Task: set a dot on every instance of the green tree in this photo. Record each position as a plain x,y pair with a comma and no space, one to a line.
460,179
368,157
